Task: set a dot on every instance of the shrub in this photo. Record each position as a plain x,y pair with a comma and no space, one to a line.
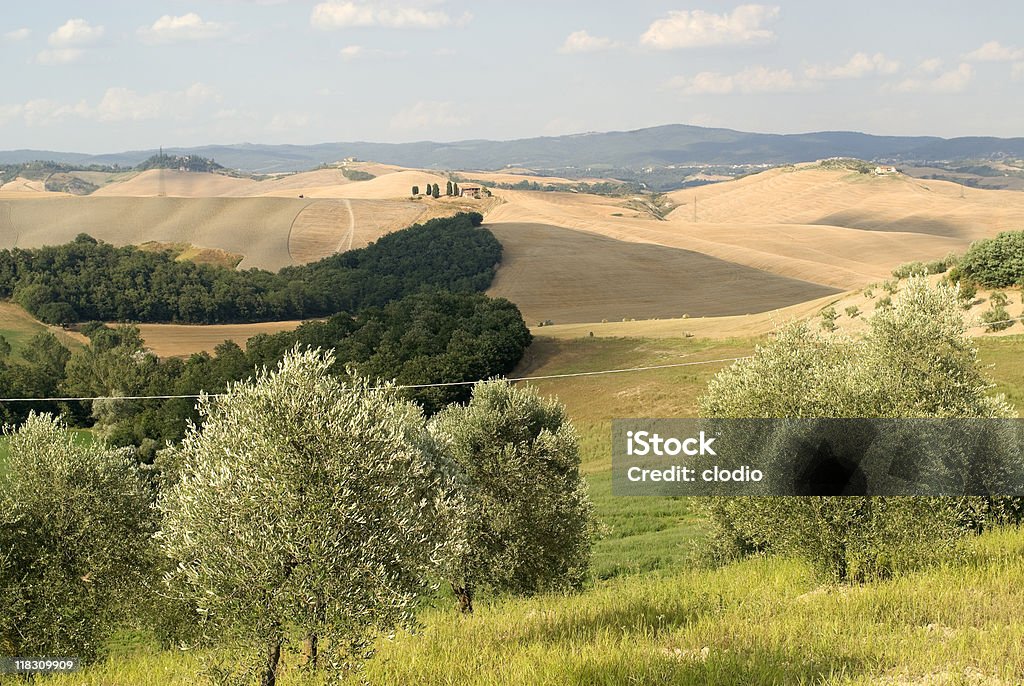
997,318
852,311
996,262
76,535
306,505
828,318
915,361
884,303
890,286
999,299
529,519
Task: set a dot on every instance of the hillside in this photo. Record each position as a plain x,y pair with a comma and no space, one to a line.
660,145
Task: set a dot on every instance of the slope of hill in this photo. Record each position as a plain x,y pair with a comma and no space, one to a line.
660,145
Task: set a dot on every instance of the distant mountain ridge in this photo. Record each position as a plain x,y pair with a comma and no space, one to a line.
674,144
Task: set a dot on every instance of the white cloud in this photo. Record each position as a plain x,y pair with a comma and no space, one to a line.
953,81
75,33
930,66
339,14
858,67
427,114
116,105
124,104
697,28
581,41
353,52
994,51
750,80
187,27
17,35
59,56
68,41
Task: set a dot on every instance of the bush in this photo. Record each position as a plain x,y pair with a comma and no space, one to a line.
999,299
529,519
852,311
997,318
890,287
828,318
915,361
308,507
996,262
884,303
75,531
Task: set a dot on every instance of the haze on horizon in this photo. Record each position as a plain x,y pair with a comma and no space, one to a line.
111,76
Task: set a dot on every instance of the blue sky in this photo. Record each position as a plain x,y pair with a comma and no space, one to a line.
106,76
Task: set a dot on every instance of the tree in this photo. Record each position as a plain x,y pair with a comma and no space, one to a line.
307,504
529,520
455,189
915,361
448,189
76,532
436,191
415,190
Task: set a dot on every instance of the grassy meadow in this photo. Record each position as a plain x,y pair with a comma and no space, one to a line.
651,613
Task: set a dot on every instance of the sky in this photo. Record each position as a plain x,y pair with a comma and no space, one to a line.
108,76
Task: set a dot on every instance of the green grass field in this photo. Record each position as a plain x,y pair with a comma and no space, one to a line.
651,616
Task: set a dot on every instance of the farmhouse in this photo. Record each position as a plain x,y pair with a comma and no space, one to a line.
470,190
883,171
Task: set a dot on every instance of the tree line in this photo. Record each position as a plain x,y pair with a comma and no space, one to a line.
90,280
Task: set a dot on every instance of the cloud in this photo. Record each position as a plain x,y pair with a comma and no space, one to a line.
953,81
581,41
68,41
427,114
116,105
697,28
187,27
17,35
124,104
930,66
994,51
59,56
75,33
354,52
338,14
858,67
750,80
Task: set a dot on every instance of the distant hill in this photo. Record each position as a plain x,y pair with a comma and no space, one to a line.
658,146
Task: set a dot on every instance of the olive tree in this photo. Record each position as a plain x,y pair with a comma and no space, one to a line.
529,520
76,527
915,361
308,507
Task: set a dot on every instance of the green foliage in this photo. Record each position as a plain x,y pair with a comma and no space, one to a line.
192,163
529,519
852,311
998,298
884,303
415,190
925,268
448,189
356,174
915,361
88,280
997,318
890,286
75,531
308,505
436,191
828,318
996,262
455,189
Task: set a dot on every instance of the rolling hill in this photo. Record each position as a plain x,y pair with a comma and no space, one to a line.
660,145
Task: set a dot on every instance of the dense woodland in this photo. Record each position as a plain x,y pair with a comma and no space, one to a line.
407,308
88,280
